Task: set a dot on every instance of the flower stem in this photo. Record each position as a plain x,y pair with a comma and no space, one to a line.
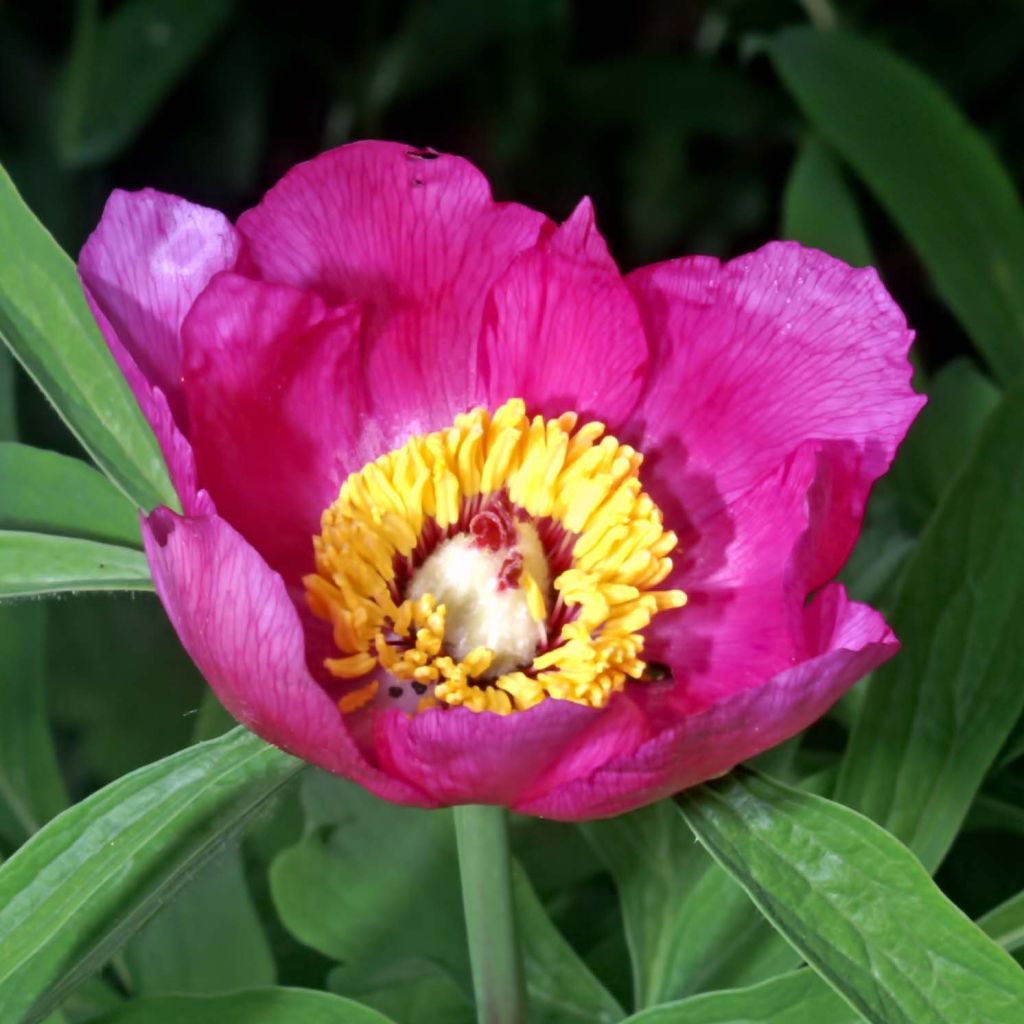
482,835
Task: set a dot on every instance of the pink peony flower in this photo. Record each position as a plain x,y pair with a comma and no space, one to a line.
469,517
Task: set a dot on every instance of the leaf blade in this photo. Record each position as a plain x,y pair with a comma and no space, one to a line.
122,67
268,1006
855,903
934,719
936,175
35,488
32,564
819,210
84,883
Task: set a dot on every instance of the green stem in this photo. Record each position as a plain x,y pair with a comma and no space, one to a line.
482,834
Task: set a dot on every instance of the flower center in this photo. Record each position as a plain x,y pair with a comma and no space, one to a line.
492,565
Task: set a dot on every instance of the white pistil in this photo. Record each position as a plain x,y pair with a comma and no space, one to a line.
466,578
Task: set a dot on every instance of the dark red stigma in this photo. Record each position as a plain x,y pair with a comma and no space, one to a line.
494,526
511,571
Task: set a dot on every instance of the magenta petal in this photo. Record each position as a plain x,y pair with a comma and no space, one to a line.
745,569
562,331
236,621
758,355
177,452
416,240
273,399
459,756
145,263
853,640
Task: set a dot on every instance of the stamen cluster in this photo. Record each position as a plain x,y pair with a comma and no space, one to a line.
603,540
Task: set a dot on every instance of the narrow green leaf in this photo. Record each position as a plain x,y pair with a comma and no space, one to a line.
30,781
855,904
87,881
44,492
46,323
259,1006
1005,924
208,939
936,175
797,998
561,986
121,68
38,563
819,210
935,718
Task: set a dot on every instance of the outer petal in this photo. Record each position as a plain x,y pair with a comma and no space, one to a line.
756,356
415,239
852,641
461,756
562,331
177,452
145,263
235,619
746,570
270,375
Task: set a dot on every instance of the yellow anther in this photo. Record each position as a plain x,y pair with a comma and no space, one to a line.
573,473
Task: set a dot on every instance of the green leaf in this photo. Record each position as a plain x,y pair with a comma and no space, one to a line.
208,939
935,717
1005,924
855,904
354,887
656,864
259,1006
88,880
411,991
561,987
797,998
942,438
819,210
38,563
31,786
46,323
935,174
121,68
44,492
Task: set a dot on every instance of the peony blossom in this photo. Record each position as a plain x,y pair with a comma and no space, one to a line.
471,517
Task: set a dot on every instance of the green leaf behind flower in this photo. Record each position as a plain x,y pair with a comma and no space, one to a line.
936,716
819,210
121,67
935,174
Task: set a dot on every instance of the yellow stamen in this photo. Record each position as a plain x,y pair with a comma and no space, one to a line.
576,475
